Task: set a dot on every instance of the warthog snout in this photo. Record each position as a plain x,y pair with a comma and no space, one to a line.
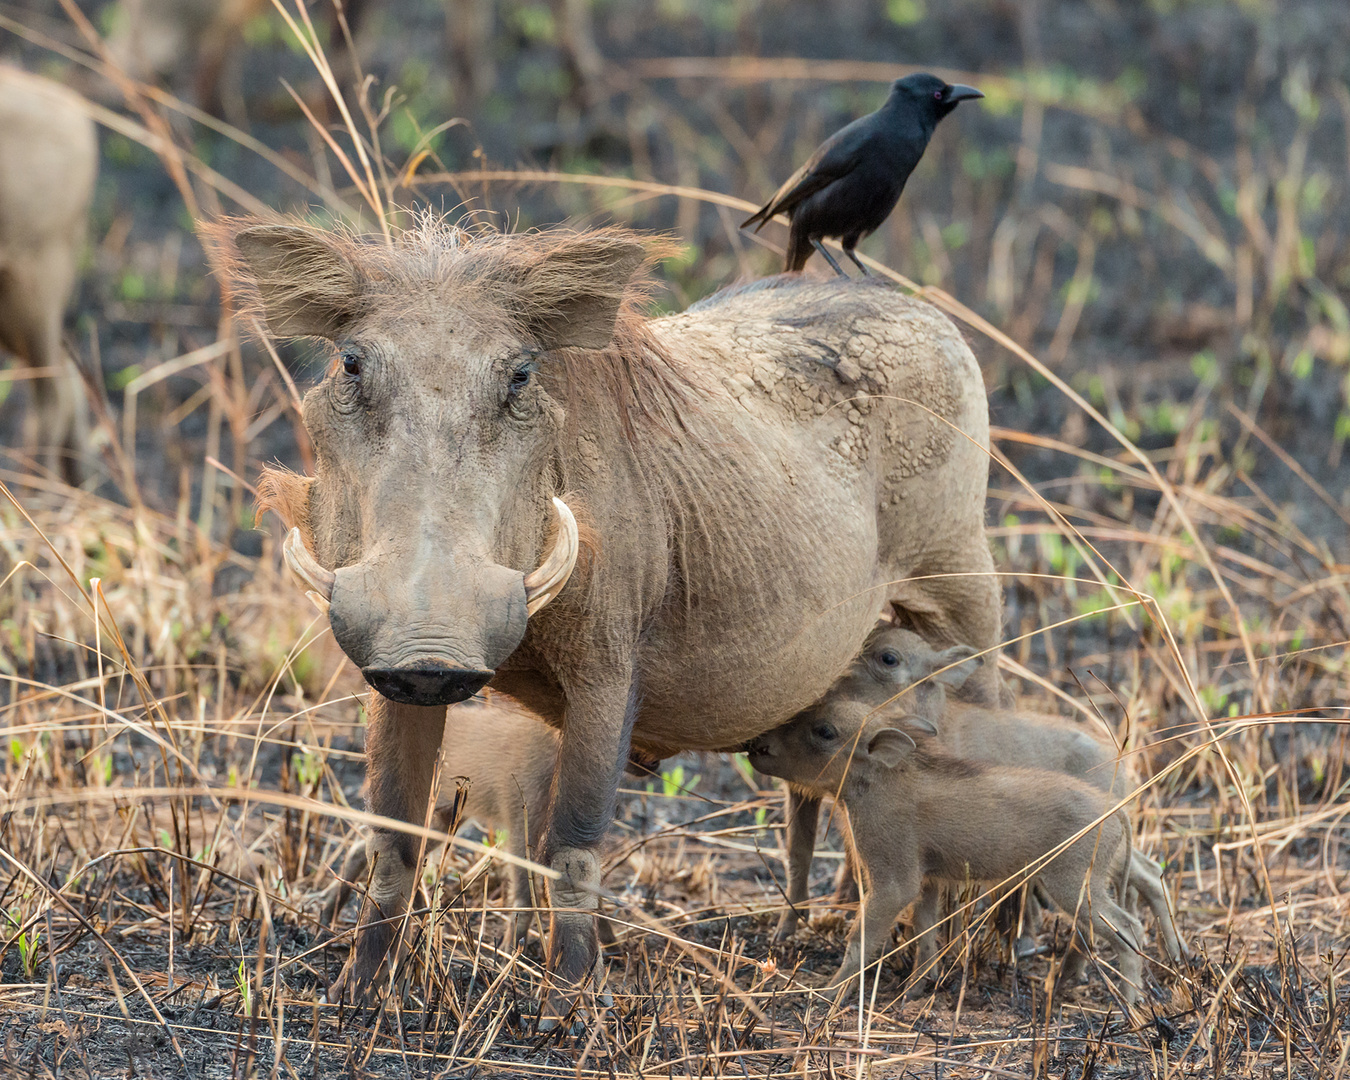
429,685
425,635
428,629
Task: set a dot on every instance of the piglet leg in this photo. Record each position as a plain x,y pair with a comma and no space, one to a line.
803,814
885,895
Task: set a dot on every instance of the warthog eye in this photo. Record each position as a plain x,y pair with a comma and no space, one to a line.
351,364
890,658
516,384
824,731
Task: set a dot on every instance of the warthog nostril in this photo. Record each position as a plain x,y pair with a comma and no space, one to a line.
426,685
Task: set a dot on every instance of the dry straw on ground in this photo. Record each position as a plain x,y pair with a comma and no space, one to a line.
184,744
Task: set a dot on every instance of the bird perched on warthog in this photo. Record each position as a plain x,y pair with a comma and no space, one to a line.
48,163
658,534
849,186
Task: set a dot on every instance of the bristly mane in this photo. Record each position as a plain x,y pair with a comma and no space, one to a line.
495,275
645,381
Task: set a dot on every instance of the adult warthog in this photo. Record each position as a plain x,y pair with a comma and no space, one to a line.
752,480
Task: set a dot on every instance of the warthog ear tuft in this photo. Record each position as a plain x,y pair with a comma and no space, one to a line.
570,298
307,284
960,662
889,746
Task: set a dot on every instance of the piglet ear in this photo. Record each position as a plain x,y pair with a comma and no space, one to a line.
922,724
889,746
952,667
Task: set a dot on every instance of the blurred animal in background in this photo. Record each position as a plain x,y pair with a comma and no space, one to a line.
48,165
191,46
192,43
852,182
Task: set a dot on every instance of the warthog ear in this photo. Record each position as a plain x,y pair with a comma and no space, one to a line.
570,297
308,287
889,746
960,662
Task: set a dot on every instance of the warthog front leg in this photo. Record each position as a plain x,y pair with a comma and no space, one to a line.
402,746
592,753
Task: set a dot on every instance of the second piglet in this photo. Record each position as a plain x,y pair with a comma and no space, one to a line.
505,757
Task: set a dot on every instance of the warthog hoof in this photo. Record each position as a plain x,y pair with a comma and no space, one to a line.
560,1003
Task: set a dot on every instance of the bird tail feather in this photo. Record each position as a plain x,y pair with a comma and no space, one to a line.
757,219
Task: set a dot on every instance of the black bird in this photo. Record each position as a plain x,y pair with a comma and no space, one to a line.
854,179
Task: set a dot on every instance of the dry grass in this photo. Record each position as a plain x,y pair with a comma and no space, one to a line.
184,737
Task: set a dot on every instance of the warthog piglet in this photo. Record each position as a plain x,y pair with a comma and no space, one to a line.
896,659
501,759
898,670
916,812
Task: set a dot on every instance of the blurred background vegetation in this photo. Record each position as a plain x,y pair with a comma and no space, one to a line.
1153,196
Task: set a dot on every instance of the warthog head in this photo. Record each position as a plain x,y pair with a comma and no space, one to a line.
824,751
895,688
898,667
431,530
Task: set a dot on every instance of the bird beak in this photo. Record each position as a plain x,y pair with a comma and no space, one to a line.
958,92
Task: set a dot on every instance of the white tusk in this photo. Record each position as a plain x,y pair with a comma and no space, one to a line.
304,566
545,582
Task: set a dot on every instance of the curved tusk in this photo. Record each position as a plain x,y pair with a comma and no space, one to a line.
545,582
304,566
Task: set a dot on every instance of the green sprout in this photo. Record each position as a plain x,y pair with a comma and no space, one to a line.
245,988
27,941
673,782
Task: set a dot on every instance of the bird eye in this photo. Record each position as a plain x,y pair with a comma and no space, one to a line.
351,364
937,95
824,731
890,658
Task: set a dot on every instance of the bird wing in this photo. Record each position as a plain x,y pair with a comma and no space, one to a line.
833,159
